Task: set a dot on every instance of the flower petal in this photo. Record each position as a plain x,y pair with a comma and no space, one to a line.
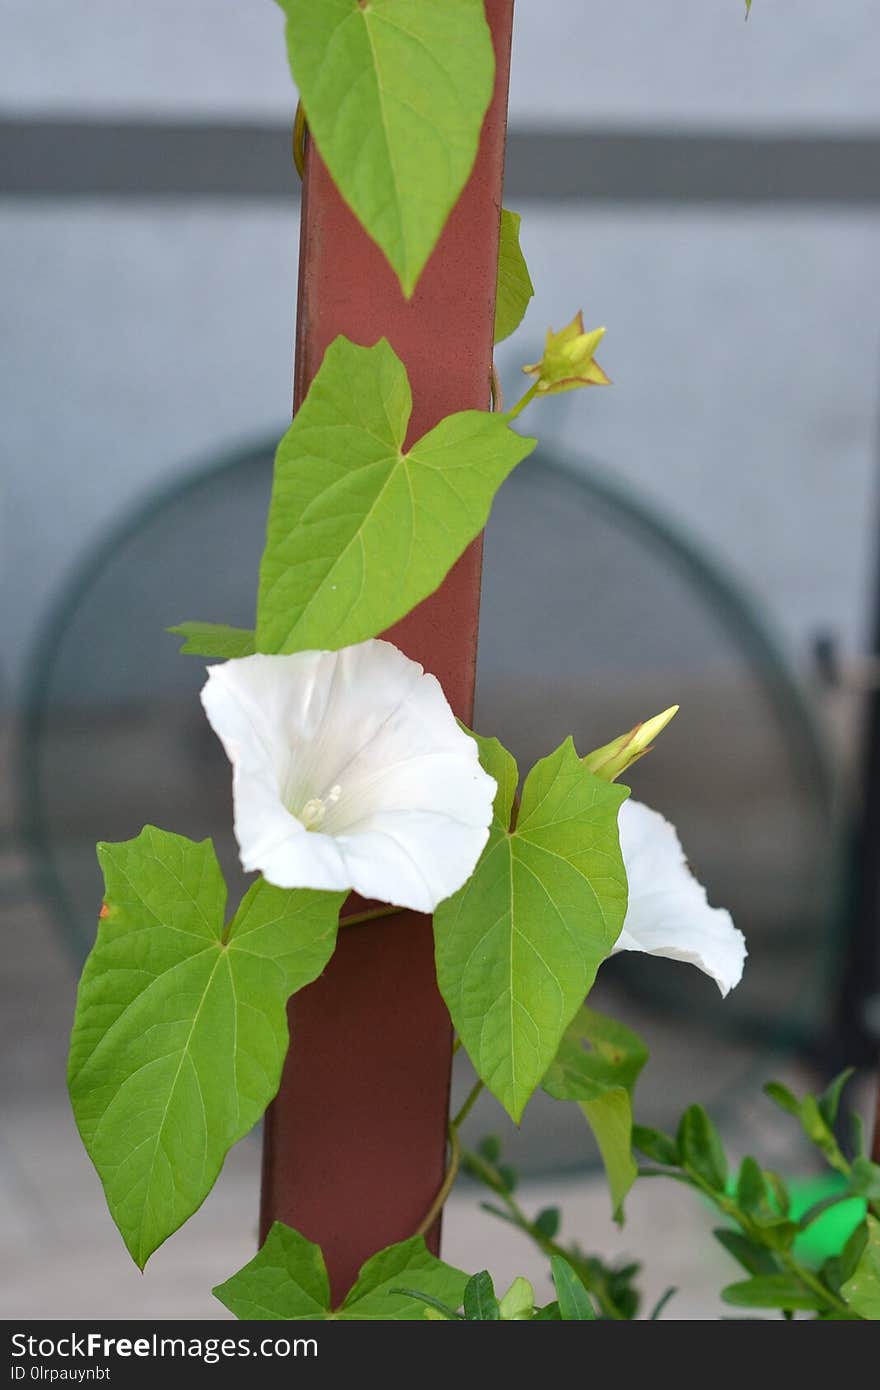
361,746
668,913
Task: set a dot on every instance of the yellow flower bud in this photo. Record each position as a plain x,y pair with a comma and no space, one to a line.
609,762
568,359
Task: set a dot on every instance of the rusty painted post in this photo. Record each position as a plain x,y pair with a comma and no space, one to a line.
354,1146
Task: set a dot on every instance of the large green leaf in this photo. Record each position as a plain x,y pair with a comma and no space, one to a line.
519,945
288,1280
360,532
515,288
395,92
862,1289
181,1028
597,1065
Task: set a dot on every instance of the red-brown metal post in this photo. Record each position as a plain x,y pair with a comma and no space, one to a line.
354,1146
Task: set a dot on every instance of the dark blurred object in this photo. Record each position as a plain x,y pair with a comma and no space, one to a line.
595,615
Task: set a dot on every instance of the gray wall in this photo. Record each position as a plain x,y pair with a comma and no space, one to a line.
141,336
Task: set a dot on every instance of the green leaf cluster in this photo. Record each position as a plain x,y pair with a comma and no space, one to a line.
763,1228
611,1286
287,1280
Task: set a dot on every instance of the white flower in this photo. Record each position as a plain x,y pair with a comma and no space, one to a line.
668,913
350,772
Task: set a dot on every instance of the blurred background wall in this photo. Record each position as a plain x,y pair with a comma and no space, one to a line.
143,330
706,187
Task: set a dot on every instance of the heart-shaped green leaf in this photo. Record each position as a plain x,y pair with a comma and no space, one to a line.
394,92
597,1066
287,1279
519,945
181,1025
360,532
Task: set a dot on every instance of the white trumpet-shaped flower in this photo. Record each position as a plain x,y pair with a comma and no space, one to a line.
350,772
668,913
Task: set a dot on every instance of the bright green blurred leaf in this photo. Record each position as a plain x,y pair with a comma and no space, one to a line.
753,1257
656,1145
862,1289
519,945
515,287
772,1291
359,532
701,1148
597,1066
751,1190
181,1024
395,92
547,1222
865,1178
829,1101
782,1096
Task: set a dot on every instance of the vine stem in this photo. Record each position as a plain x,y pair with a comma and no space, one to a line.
451,1174
523,402
371,914
551,1247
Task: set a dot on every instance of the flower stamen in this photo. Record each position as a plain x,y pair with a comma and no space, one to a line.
314,811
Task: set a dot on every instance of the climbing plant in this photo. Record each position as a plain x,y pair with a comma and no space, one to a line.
350,772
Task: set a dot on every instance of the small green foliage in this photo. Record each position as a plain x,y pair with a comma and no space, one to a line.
518,1304
518,947
572,1297
817,1114
751,1189
547,1222
395,92
862,1288
215,639
612,1286
656,1145
515,288
702,1152
772,1291
288,1280
749,1253
597,1066
767,1236
480,1303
